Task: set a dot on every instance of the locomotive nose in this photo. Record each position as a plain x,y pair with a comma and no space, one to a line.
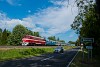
24,39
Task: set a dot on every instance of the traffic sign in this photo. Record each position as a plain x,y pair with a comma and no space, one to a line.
89,47
87,40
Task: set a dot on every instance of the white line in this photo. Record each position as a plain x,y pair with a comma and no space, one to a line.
72,59
47,58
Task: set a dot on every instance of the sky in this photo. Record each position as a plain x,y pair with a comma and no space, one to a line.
49,17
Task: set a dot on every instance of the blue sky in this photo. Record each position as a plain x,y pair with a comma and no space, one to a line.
49,17
22,8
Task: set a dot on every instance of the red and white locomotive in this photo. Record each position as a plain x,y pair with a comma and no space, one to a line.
33,40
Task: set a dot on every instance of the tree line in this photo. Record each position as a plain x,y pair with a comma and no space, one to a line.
15,36
55,39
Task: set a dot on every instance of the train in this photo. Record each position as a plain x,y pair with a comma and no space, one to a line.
50,43
33,40
38,41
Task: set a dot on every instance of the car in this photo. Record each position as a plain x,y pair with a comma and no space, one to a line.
59,49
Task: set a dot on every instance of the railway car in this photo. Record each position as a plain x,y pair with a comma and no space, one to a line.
33,40
60,43
50,43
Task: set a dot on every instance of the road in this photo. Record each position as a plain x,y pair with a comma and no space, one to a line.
47,60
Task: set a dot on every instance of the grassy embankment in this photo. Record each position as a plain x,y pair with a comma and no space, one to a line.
7,54
80,62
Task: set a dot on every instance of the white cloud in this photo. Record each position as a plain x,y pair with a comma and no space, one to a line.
38,29
9,24
72,34
3,16
29,11
49,21
13,2
19,4
10,2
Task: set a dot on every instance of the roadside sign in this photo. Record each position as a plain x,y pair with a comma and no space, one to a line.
89,47
87,40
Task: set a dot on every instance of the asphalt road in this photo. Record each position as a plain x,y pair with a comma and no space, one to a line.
48,60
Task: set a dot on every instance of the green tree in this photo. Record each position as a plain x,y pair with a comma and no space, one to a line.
71,42
87,22
8,32
77,43
17,34
58,39
11,40
62,41
98,8
36,34
0,36
29,32
0,30
4,37
52,38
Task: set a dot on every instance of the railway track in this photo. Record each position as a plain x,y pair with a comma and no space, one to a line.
21,47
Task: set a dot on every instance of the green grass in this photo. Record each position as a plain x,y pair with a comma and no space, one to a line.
22,53
80,62
26,52
68,47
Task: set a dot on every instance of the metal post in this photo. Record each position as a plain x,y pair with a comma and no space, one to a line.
83,52
88,54
91,51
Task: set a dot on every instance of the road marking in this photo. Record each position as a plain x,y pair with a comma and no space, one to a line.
47,58
72,59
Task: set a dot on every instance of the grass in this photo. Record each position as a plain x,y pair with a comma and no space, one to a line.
22,53
80,62
68,47
8,54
